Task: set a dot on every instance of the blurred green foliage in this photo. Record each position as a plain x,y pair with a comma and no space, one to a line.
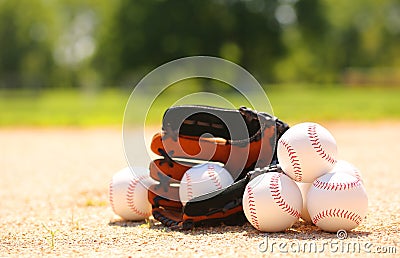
91,44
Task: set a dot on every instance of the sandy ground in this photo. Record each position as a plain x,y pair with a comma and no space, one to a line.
54,186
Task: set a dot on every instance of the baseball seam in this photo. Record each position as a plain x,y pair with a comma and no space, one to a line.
213,176
337,213
276,195
189,189
294,160
357,173
110,196
336,186
315,142
252,208
131,195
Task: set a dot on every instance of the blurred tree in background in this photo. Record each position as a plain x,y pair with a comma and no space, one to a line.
26,44
332,38
92,44
146,34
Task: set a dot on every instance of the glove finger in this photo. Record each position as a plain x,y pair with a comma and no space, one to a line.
167,171
234,216
169,199
196,120
169,174
168,217
191,147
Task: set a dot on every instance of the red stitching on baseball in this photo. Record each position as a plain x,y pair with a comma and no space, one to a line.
337,213
252,208
315,142
332,186
356,173
276,195
294,161
213,175
130,197
110,195
189,187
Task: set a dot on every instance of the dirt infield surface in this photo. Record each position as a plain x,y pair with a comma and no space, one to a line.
54,201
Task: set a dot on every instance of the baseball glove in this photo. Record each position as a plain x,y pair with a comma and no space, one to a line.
240,139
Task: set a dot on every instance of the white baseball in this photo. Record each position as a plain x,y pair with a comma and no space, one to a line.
343,166
337,201
203,179
128,193
272,202
304,187
306,151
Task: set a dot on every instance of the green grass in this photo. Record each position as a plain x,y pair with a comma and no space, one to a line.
51,238
62,108
290,103
336,103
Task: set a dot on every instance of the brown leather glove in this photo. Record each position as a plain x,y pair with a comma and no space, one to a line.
240,139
